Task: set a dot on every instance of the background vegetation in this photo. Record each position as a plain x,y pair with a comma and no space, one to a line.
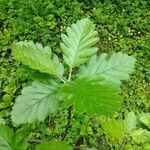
122,26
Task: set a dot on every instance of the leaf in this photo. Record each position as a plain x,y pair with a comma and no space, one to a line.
140,136
5,138
2,121
78,44
20,138
146,146
114,128
130,122
37,57
113,67
36,75
145,118
8,140
53,145
35,103
92,96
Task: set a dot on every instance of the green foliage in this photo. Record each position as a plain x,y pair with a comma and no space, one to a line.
115,128
12,141
130,122
92,96
141,136
53,145
145,118
122,26
78,44
2,121
127,129
37,57
113,67
36,102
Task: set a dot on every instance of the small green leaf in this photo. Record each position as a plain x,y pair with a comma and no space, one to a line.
6,138
130,122
35,103
11,141
146,146
114,128
20,138
83,130
2,121
140,136
40,76
92,96
6,101
78,44
145,118
113,67
53,145
37,57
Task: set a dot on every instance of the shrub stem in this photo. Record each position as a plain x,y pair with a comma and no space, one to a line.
70,74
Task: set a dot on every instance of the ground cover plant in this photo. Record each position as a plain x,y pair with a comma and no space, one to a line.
123,28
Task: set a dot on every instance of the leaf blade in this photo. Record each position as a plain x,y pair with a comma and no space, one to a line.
53,145
114,128
77,44
145,119
140,136
37,57
38,96
130,122
10,140
113,67
92,96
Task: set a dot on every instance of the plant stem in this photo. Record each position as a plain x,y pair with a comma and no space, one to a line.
123,143
34,141
62,80
68,123
70,74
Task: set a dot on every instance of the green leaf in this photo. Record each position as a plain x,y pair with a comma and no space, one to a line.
114,128
92,96
37,57
2,121
35,103
53,145
113,67
36,75
130,122
145,118
20,138
11,141
146,146
6,138
78,44
140,136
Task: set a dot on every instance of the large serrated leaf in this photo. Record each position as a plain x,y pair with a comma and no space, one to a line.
11,141
37,57
35,103
53,145
92,96
113,67
78,44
